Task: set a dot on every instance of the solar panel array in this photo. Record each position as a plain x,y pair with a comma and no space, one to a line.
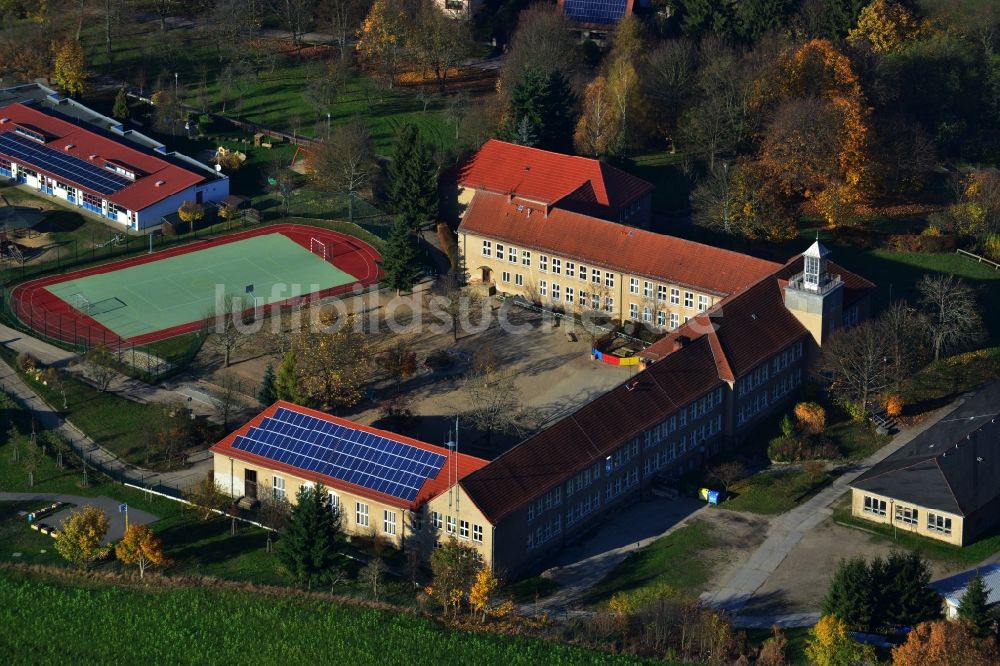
602,12
341,452
73,169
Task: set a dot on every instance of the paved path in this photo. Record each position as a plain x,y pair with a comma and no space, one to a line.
12,383
788,529
20,342
108,505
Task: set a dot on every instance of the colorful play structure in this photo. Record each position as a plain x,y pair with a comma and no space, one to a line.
611,359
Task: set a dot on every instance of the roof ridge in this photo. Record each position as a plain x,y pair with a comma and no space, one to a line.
947,483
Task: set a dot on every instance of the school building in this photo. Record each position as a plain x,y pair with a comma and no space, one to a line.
59,148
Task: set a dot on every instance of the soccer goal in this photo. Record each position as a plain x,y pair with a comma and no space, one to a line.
316,246
80,302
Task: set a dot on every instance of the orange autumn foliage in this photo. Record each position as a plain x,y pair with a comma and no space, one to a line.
811,417
944,643
894,406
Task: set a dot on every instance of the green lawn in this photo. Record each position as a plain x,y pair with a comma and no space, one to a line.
942,380
854,439
527,590
929,548
16,537
671,565
775,491
99,622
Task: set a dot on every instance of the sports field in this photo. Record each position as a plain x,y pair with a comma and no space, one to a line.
163,294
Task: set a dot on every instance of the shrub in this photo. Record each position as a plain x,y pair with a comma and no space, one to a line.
811,417
784,449
787,426
26,362
894,405
991,247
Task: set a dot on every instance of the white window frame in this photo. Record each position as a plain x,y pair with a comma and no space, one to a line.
477,533
487,248
609,279
361,514
675,296
511,254
689,300
582,273
389,522
526,258
543,263
702,302
449,524
278,488
499,251
633,285
463,529
556,266
555,291
570,269
518,280
505,276
633,311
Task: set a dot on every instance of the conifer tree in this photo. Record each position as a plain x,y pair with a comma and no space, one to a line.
974,607
542,107
268,392
120,109
308,548
287,384
850,597
413,187
400,258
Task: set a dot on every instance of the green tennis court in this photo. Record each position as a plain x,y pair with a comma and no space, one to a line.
181,289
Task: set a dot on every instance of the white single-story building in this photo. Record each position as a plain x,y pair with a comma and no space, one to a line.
953,588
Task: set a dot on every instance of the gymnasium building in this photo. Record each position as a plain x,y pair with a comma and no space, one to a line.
59,148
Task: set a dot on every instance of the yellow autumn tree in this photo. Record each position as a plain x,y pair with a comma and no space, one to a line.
332,361
830,645
70,70
884,24
482,591
381,36
80,539
811,417
597,128
191,212
141,548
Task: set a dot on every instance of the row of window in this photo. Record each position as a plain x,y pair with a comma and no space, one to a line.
621,484
583,480
788,383
450,523
752,407
586,506
787,357
551,499
556,290
758,376
545,532
907,515
661,294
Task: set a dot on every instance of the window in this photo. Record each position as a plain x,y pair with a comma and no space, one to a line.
518,280
505,276
583,272
569,295
525,258
499,251
661,318
595,301
543,263
477,533
675,320
609,279
450,523
389,522
595,276
556,266
905,514
570,269
581,299
647,314
542,287
609,305
633,311
688,299
512,255
702,303
936,523
278,488
435,520
675,296
487,248
633,285
334,501
647,289
661,293
555,291
875,506
463,529
361,514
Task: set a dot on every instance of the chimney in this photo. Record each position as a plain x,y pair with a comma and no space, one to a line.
680,341
161,183
69,146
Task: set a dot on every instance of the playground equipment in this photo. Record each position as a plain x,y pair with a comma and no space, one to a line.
229,159
117,239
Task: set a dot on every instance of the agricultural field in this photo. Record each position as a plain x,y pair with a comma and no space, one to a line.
92,621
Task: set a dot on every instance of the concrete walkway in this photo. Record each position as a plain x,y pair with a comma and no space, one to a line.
788,529
12,383
20,342
109,506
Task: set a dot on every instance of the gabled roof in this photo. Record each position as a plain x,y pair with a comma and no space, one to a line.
431,487
608,245
551,179
575,442
953,467
953,588
159,178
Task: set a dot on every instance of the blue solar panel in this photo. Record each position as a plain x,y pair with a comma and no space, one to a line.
31,153
351,455
601,12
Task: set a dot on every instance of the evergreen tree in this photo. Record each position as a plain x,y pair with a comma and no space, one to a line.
851,597
120,109
413,187
308,548
974,607
906,595
400,262
542,106
268,392
287,383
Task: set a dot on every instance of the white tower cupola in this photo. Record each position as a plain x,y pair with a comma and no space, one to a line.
814,269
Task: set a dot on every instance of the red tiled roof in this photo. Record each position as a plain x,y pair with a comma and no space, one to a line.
548,178
136,196
559,452
431,488
605,244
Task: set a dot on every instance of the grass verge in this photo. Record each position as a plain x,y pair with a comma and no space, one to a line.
776,491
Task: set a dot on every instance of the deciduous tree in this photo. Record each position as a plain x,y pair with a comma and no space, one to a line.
951,311
543,40
372,574
885,26
597,128
454,566
80,539
854,361
496,404
141,548
308,548
70,70
728,473
438,42
830,645
944,643
345,162
207,499
332,362
99,365
482,592
191,212
381,37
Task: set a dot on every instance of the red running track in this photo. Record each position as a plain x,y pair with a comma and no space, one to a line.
46,313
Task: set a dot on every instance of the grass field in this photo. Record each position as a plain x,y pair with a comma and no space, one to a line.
670,565
92,622
776,491
183,288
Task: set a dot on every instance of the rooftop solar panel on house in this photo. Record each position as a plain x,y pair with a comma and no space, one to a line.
601,12
78,171
349,454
